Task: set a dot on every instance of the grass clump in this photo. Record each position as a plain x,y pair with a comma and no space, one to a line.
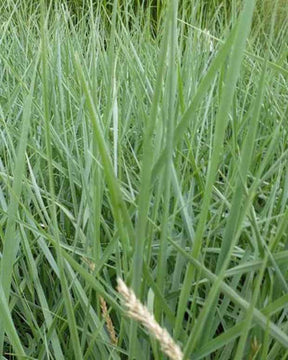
147,148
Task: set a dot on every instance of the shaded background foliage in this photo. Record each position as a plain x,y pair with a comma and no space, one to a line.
149,13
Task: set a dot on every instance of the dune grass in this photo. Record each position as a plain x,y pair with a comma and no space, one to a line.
147,144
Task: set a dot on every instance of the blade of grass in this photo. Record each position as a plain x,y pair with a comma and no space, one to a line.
8,326
11,243
144,191
169,129
64,285
233,71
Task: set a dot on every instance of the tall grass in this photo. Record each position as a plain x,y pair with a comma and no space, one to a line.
145,142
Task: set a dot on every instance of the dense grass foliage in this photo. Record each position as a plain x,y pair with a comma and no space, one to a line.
145,141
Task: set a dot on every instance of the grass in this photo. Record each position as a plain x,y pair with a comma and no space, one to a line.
146,144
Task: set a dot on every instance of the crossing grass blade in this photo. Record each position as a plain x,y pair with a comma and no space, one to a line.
8,325
261,320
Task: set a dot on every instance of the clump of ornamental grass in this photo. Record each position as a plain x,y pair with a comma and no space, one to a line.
163,159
